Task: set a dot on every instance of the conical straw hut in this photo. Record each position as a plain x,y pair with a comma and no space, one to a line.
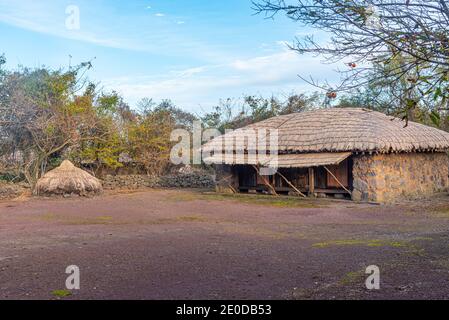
68,179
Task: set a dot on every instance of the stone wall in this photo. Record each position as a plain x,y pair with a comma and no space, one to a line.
9,190
111,182
182,180
391,177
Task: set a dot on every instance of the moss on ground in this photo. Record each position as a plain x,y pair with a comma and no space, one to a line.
361,242
61,293
262,200
353,277
107,220
77,220
411,246
173,220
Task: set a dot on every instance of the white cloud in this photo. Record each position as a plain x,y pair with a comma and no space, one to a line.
189,88
221,76
126,32
29,24
284,44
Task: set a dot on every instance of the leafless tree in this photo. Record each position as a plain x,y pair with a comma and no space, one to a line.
407,39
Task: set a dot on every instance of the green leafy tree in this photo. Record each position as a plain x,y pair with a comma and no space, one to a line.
47,114
149,140
231,114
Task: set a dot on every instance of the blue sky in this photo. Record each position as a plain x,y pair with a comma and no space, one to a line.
191,51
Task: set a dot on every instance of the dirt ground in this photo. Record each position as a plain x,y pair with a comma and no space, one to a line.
193,245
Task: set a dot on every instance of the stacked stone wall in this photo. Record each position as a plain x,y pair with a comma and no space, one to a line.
392,177
184,180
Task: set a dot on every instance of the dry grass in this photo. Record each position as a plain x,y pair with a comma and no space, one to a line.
67,179
340,130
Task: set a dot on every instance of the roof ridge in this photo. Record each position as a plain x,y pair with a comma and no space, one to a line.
347,129
292,115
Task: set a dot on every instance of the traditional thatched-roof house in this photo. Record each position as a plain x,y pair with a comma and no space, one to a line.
351,152
68,179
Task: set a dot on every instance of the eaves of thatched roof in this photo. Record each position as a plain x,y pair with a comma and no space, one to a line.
339,130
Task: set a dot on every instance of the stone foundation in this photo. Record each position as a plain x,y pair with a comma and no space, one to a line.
391,177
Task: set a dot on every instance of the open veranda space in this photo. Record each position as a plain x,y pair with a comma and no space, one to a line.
171,244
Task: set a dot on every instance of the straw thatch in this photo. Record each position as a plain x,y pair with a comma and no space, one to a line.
338,130
68,179
304,160
308,160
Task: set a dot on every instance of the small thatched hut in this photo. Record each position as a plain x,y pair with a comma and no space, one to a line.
68,179
351,152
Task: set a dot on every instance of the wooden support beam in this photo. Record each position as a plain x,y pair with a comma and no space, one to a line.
232,189
267,183
229,185
311,182
225,179
338,181
291,184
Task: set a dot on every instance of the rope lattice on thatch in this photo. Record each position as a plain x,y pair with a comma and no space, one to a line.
68,179
339,130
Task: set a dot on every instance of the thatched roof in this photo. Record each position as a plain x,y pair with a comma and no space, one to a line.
340,130
302,160
68,179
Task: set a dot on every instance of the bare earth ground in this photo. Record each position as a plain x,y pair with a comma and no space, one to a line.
193,245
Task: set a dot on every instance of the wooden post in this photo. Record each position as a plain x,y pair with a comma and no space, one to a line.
338,181
267,183
291,185
232,189
220,183
311,182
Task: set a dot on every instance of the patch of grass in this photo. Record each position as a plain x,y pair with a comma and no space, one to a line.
48,216
89,221
361,242
174,220
422,239
61,293
108,220
409,243
440,212
191,219
262,200
75,220
415,250
352,278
